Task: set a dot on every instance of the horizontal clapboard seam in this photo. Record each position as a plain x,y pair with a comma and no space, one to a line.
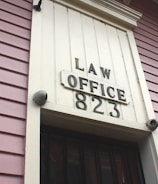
14,30
154,95
13,126
10,116
153,91
13,100
152,82
23,47
152,86
24,23
151,79
146,59
16,35
148,29
16,59
11,175
15,72
149,25
15,52
15,46
18,5
12,65
19,16
17,25
15,10
14,94
146,34
141,37
150,54
12,134
9,84
150,65
12,153
147,46
154,101
155,107
140,41
26,2
152,71
8,133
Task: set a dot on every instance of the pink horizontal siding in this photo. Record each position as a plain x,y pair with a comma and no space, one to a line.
151,78
148,61
20,11
152,86
23,4
15,41
15,19
11,180
16,144
150,69
17,110
11,164
15,30
146,35
14,126
14,52
13,93
143,50
13,78
15,25
14,65
140,36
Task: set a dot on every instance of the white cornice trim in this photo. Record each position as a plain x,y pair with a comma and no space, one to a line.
107,8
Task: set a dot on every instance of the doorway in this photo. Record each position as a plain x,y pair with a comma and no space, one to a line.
74,158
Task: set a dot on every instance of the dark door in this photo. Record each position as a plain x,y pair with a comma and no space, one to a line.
68,158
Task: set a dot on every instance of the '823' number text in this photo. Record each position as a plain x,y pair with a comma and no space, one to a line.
81,103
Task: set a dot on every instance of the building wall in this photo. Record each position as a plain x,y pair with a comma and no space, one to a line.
15,24
146,35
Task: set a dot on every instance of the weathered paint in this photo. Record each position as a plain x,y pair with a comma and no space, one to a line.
15,23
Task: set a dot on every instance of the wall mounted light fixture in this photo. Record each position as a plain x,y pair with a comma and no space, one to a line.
40,97
37,7
152,124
